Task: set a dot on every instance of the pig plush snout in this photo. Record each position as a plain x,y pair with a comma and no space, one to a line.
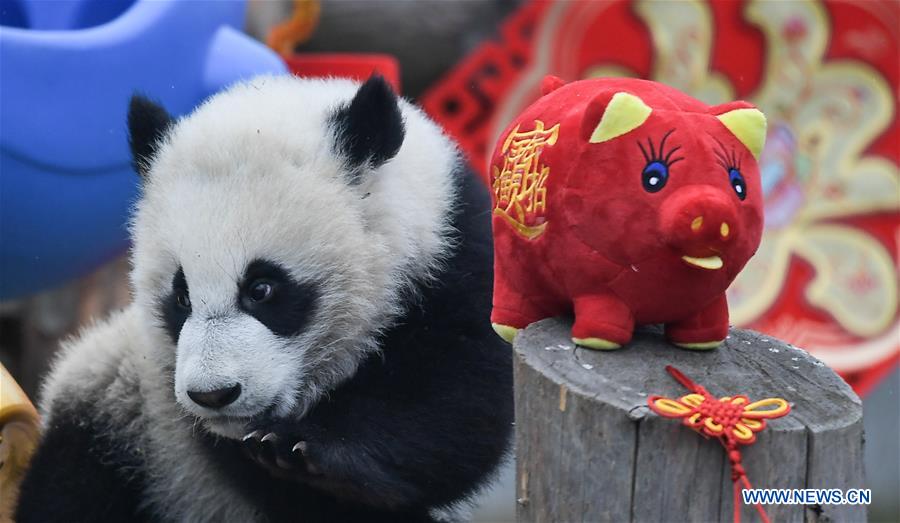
699,221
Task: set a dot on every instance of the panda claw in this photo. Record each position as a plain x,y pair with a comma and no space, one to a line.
263,448
251,436
299,450
252,445
251,442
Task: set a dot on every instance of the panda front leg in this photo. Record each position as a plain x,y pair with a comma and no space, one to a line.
83,470
418,427
287,450
352,464
323,459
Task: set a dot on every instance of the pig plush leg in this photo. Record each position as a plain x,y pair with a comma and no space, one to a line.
602,322
704,330
514,311
511,315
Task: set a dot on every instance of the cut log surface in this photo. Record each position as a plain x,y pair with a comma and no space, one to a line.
589,449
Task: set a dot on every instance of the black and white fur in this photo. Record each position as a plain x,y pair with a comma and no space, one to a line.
317,243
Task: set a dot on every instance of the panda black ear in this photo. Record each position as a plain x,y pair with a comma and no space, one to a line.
148,123
369,130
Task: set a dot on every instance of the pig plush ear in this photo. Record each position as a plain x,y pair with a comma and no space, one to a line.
551,83
625,112
747,124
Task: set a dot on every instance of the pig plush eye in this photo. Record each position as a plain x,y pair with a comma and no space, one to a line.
737,182
730,161
656,173
655,176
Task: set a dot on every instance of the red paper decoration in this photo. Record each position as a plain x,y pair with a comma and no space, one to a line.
824,72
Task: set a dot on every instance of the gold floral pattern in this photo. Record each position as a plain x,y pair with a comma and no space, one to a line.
817,176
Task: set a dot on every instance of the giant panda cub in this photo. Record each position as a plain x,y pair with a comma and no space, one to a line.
309,337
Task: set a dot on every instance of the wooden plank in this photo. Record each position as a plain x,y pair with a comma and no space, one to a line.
678,474
777,460
557,450
836,462
538,400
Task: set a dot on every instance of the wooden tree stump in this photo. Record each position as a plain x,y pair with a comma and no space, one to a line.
589,449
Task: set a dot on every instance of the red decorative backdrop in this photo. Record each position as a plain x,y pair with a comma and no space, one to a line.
825,72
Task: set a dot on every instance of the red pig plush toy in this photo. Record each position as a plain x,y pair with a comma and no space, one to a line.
624,202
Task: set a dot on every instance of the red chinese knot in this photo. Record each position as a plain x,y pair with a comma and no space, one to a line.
734,420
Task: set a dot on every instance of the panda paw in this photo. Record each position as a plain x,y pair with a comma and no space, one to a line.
281,455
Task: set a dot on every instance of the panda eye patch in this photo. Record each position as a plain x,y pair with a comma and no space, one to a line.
175,307
180,291
275,298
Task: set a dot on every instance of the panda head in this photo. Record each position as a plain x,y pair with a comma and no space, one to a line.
279,228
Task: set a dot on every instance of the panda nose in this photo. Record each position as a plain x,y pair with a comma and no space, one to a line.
216,399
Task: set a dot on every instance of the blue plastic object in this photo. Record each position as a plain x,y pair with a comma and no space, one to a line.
67,71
